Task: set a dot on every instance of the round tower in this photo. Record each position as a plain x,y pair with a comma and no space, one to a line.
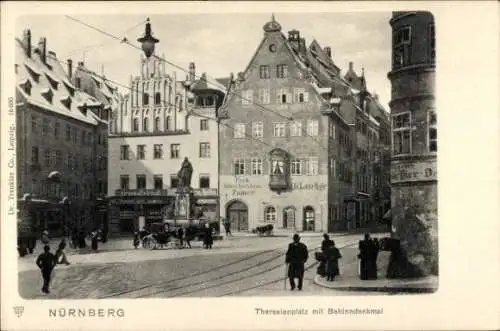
414,140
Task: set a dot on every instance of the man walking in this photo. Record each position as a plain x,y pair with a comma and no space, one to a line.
46,262
227,226
296,257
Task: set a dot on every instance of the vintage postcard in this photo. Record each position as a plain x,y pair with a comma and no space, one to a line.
248,166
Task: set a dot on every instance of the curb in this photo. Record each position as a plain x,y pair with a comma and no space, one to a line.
430,288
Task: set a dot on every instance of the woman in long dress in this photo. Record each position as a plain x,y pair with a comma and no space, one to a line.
332,262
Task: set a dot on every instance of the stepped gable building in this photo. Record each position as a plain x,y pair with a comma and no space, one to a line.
414,136
162,120
289,143
57,129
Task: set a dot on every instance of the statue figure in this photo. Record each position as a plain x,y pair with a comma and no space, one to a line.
185,174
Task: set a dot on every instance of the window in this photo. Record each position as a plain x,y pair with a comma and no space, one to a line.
313,166
264,96
247,97
300,95
264,72
76,133
432,124
283,96
203,125
70,160
141,152
432,42
158,151
257,129
333,167
256,167
239,167
157,98
46,157
34,154
57,129
204,150
204,181
135,126
277,167
279,129
140,182
145,125
401,132
402,36
296,167
332,129
175,150
296,129
312,128
174,181
270,214
124,152
239,130
34,124
83,138
145,99
168,123
158,182
281,71
58,156
157,124
45,127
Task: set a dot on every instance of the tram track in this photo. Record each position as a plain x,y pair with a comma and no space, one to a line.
239,279
200,273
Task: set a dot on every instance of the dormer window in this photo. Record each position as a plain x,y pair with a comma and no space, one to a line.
53,82
66,101
33,72
47,94
70,88
26,86
83,110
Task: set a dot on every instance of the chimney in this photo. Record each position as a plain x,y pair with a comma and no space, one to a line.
328,52
70,68
351,66
302,46
294,39
27,42
42,47
192,71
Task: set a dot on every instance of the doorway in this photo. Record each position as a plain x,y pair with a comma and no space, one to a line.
289,218
309,219
237,213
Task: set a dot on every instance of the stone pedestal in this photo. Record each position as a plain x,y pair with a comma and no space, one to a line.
414,212
183,204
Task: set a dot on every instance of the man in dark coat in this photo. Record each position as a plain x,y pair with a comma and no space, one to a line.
368,252
296,257
46,262
180,235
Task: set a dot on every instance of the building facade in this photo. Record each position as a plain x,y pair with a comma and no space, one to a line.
414,138
57,130
161,121
287,142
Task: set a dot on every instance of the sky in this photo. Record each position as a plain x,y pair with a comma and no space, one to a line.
218,43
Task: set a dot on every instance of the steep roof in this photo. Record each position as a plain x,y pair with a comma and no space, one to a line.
97,86
47,86
202,84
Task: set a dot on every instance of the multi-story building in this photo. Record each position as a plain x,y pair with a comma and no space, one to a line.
414,138
160,122
57,130
105,92
288,148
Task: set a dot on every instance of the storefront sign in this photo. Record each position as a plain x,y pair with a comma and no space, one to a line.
309,186
413,172
143,193
242,186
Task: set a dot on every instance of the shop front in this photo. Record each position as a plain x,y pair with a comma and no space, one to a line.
248,202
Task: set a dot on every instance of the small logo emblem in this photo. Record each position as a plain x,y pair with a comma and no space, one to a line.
18,310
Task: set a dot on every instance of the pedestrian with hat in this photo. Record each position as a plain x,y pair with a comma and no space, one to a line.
296,257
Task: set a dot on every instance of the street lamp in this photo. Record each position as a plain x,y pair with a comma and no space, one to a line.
148,41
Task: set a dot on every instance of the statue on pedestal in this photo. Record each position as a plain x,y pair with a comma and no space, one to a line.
185,174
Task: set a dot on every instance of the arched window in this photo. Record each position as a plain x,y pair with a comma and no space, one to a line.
270,214
309,218
168,123
135,126
145,124
157,124
157,98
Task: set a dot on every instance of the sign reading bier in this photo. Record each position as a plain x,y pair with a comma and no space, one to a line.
413,172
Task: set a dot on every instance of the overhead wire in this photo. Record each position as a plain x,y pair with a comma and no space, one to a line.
125,41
